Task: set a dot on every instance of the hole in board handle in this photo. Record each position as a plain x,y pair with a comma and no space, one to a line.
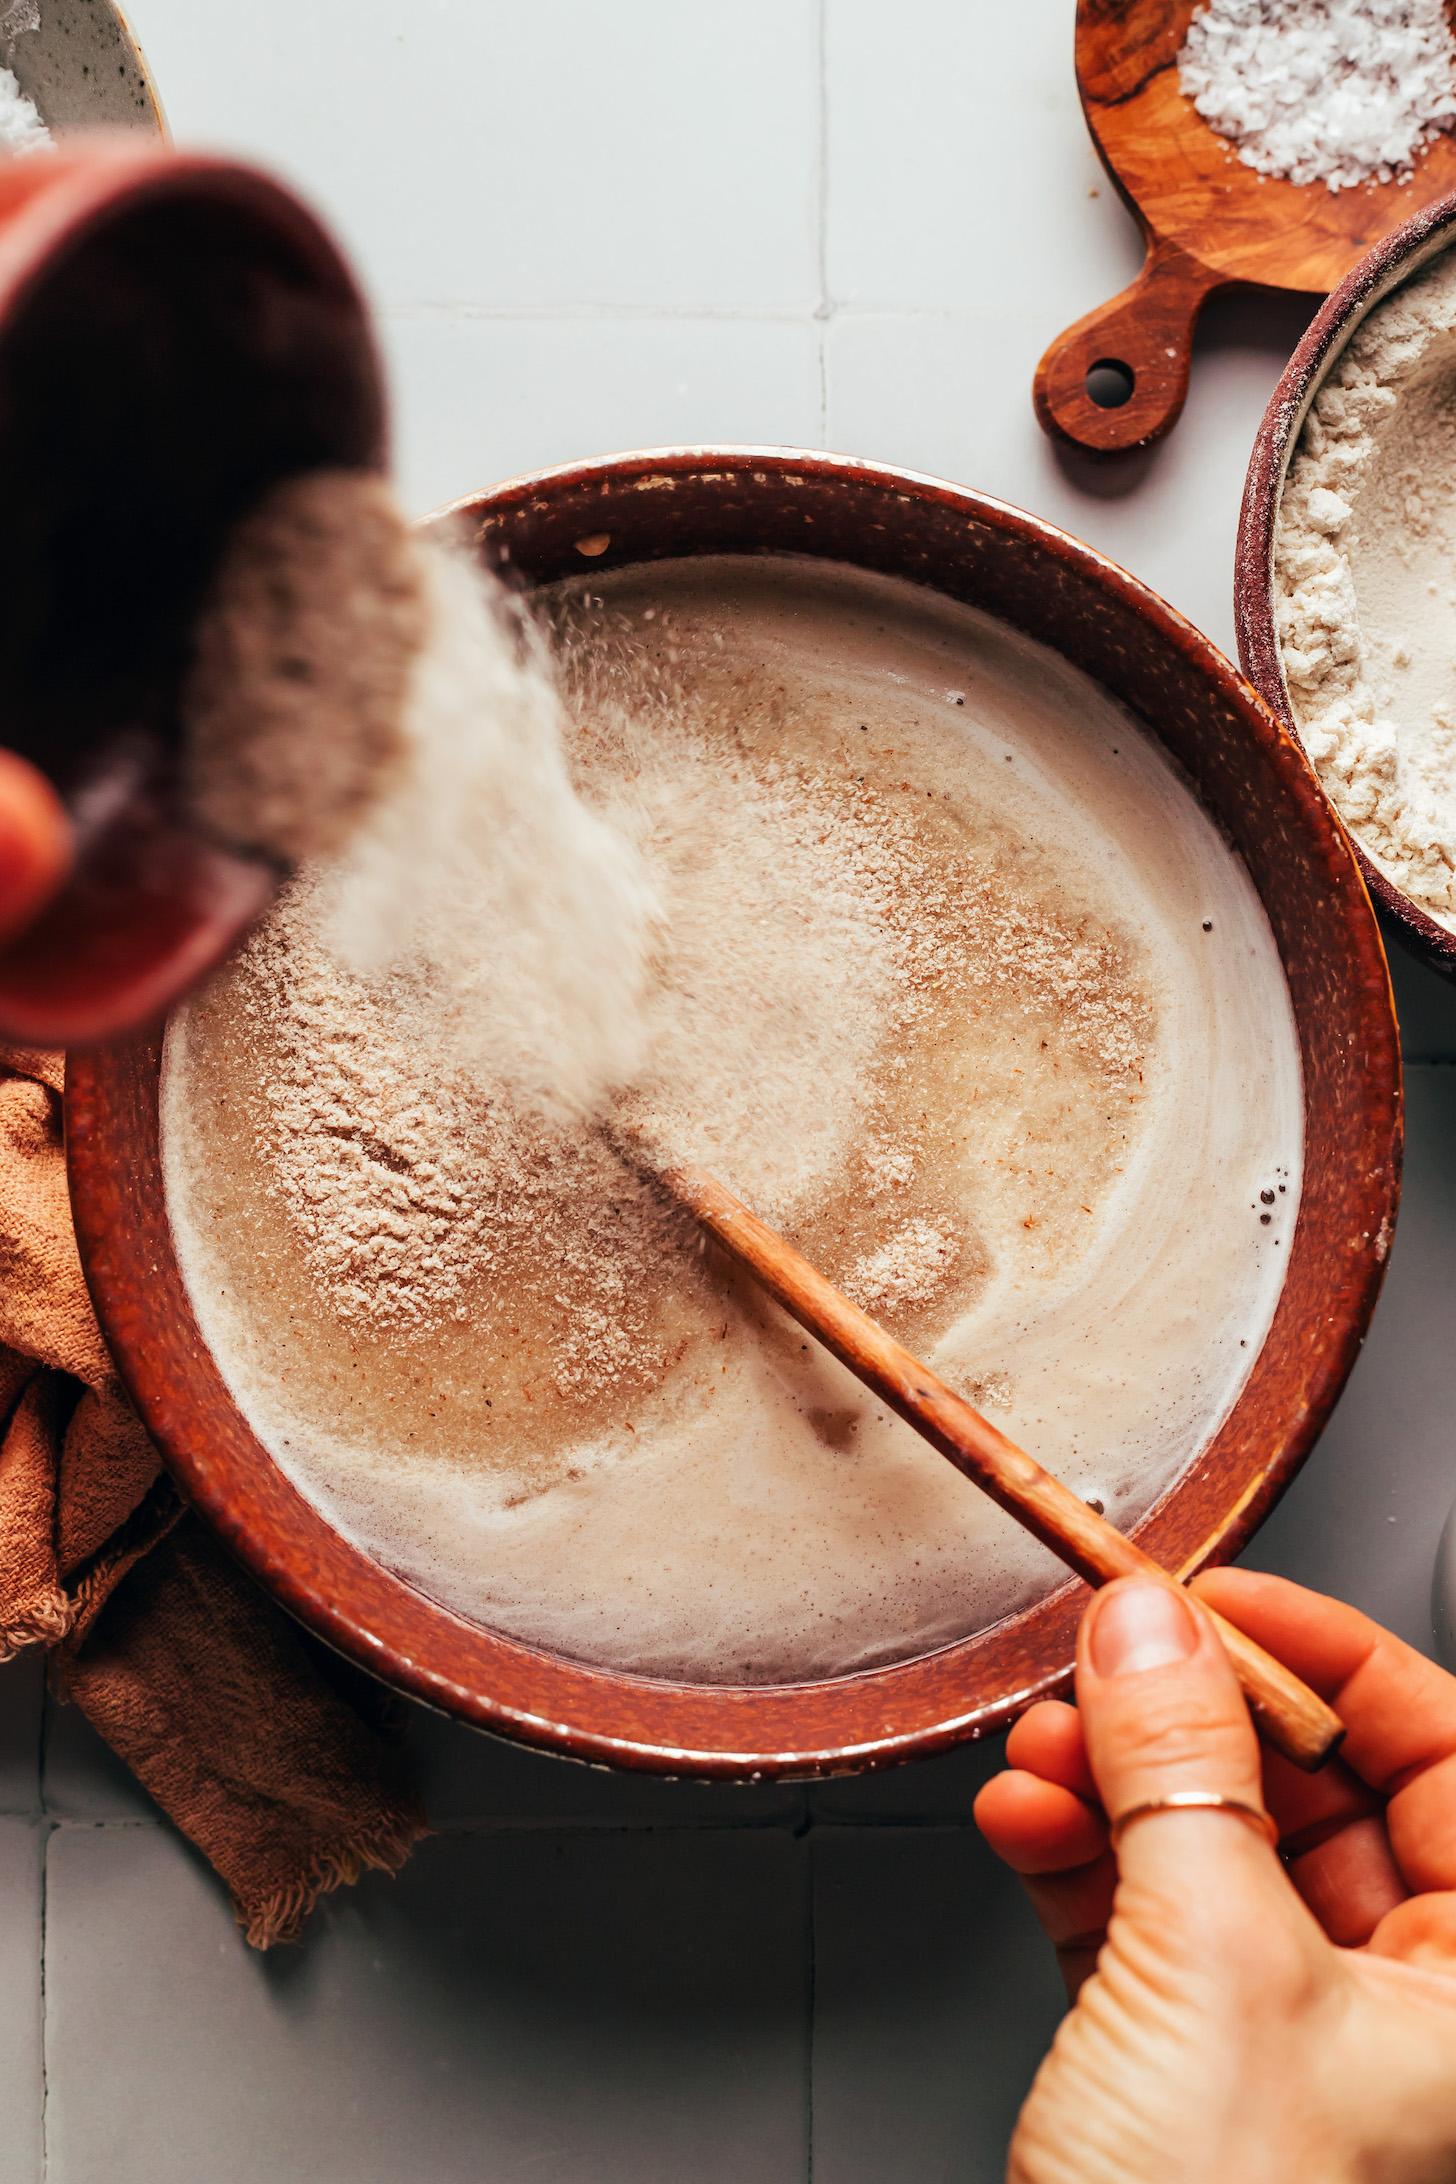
1109,382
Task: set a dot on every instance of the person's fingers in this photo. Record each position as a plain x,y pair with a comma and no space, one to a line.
1048,1741
35,842
1312,1807
1055,1840
1350,1881
1163,1714
1074,1909
1398,1708
1422,1930
1421,1822
1333,1840
1036,1826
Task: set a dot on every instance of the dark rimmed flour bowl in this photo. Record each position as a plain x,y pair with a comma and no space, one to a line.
1393,260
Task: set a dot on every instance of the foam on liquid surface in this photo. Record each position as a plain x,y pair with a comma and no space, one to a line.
1039,1071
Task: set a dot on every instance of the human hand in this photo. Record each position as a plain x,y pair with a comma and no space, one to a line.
1234,2016
35,843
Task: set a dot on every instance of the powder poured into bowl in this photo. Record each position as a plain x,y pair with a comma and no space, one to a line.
354,684
929,980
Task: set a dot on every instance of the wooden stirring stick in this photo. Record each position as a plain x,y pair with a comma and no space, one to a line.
1294,1719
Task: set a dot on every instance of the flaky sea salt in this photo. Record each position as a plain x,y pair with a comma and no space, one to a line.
21,128
1334,91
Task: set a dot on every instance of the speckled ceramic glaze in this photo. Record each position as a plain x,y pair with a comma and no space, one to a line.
83,69
1254,781
1423,237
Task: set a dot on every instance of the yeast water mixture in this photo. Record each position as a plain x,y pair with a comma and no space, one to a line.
951,979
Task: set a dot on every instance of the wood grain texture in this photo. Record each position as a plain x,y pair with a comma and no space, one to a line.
1209,222
1291,1717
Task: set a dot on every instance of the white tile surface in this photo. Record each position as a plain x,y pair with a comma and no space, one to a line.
951,393
1425,1002
595,226
933,2005
81,1779
960,175
469,1781
476,151
21,2069
927,1790
1363,1517
22,1682
579,2009
475,1781
480,399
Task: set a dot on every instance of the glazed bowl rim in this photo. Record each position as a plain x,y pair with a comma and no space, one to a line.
1415,243
740,1746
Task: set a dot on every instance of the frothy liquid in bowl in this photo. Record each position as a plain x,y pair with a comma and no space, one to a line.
968,996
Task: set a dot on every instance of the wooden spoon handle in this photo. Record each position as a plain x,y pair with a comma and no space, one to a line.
1291,1716
1142,340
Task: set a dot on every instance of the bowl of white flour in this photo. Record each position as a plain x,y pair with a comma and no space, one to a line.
67,65
1344,586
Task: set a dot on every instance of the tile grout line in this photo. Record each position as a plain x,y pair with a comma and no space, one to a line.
47,1830
462,311
811,1942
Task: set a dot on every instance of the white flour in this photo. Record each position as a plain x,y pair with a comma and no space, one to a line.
1333,91
1365,587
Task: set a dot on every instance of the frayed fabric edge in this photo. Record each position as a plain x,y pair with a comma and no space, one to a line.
279,1916
45,1624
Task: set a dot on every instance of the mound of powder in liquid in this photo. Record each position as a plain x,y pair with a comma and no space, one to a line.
485,1351
1365,606
1334,91
809,938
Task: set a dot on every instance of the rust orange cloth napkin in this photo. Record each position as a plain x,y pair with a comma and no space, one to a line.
265,1751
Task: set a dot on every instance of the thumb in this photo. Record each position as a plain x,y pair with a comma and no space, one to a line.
1162,1713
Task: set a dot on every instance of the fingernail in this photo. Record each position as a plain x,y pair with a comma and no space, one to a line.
1140,1626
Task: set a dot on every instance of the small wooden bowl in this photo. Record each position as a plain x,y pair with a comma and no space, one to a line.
1423,237
640,508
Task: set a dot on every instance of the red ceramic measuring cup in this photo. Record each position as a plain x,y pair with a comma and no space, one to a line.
177,334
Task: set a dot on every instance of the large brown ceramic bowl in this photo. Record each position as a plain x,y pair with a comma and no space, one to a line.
1254,781
1393,260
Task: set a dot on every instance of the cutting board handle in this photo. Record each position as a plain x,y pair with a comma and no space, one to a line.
1133,351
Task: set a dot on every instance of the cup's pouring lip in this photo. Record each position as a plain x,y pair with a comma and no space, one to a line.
865,513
